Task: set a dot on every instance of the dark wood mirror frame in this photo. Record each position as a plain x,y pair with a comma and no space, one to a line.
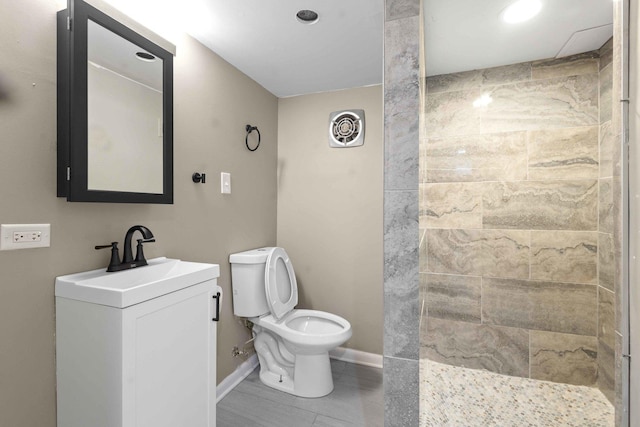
72,107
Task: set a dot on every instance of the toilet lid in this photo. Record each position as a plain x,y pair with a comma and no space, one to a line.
280,283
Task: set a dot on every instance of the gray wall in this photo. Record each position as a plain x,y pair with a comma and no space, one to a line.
330,209
213,102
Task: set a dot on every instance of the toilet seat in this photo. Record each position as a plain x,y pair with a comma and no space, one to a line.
280,283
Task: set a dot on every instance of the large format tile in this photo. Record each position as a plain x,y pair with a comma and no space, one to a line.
541,205
606,93
241,410
453,297
606,370
606,261
606,214
608,158
357,400
398,9
542,104
547,306
401,104
492,253
606,53
451,205
494,348
401,280
606,317
452,113
474,79
570,153
564,256
583,63
491,157
564,358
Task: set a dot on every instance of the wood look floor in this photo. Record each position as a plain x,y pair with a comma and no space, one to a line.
357,400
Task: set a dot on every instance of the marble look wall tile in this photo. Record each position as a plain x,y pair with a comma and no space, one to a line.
452,113
606,99
401,392
607,148
583,63
423,306
606,260
606,370
605,206
451,205
397,9
546,306
570,153
564,256
463,80
491,157
606,53
606,317
453,297
565,358
492,253
423,250
542,104
494,348
541,205
402,104
401,280
479,78
620,373
422,153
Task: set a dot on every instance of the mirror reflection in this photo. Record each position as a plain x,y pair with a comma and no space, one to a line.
124,115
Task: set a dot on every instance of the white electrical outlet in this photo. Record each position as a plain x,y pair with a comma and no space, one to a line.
24,236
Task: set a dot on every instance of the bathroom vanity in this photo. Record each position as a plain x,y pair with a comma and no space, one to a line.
137,347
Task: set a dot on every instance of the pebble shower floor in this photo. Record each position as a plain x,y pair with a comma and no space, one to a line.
462,397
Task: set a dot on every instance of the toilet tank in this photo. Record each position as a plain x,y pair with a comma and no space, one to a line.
247,282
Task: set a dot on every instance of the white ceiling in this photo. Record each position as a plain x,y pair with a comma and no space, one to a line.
468,34
265,41
344,49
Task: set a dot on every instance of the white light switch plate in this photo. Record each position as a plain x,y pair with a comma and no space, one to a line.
225,183
24,236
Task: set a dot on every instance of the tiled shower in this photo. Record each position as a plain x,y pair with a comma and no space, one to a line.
519,219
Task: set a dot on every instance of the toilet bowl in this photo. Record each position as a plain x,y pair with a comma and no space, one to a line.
292,344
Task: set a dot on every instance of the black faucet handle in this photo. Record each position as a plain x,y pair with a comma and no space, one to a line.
140,252
110,245
114,263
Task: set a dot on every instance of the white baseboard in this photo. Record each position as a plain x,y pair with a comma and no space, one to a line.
241,372
340,353
357,356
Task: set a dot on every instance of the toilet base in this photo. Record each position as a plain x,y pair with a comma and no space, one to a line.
312,376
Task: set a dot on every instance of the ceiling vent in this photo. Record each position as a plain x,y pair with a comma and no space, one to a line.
346,128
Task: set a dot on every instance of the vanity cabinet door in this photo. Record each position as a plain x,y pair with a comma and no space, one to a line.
152,364
169,364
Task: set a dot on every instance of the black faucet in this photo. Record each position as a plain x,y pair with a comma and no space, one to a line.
127,259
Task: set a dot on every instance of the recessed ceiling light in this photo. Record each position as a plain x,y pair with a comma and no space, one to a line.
307,16
521,10
144,56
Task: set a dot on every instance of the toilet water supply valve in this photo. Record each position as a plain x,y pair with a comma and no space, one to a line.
236,351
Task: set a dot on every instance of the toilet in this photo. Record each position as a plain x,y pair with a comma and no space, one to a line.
292,344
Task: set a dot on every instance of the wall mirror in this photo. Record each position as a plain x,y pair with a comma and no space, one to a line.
115,110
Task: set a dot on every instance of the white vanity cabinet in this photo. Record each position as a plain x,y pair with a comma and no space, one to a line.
137,347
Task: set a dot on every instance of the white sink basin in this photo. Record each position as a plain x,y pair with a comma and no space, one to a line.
128,287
